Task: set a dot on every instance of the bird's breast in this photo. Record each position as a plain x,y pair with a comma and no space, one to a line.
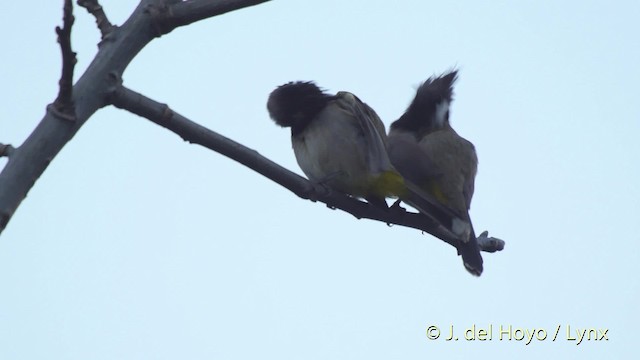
331,152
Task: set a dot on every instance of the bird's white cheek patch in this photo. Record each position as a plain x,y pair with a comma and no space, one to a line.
441,113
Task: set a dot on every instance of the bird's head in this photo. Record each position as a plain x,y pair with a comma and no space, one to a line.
295,104
429,110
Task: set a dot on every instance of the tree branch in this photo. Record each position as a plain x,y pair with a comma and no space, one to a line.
192,132
94,8
187,12
63,105
29,160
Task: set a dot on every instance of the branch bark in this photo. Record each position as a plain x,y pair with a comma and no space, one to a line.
94,8
6,150
187,12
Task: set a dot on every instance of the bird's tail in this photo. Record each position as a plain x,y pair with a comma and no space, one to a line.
470,253
428,205
467,248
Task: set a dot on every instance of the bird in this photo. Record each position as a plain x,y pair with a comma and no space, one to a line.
341,142
338,140
427,151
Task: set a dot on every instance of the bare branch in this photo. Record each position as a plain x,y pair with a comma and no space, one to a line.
187,12
6,150
33,156
180,13
63,105
94,8
192,132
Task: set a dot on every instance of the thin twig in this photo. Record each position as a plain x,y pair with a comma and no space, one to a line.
63,106
192,132
94,8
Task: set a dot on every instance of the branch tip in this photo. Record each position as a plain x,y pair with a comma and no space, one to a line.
63,106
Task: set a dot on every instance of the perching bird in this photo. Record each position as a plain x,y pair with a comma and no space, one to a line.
426,150
337,139
340,141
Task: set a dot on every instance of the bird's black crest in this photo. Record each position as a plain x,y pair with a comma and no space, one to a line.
295,104
421,113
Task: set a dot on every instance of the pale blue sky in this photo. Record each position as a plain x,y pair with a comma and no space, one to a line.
137,245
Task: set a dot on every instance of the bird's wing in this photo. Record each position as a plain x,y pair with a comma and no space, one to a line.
421,173
410,159
372,130
470,177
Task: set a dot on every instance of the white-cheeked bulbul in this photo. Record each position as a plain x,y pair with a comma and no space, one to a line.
427,151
